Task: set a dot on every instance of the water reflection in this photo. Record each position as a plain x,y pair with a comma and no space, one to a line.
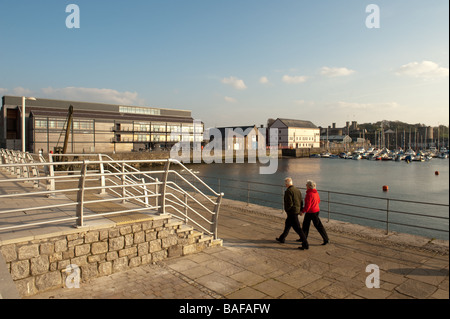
415,181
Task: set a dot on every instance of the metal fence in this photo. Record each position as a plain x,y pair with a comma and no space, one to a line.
415,217
154,191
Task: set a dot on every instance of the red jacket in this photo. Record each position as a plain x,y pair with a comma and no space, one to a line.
312,201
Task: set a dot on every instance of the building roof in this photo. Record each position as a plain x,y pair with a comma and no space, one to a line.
58,113
297,123
334,137
86,106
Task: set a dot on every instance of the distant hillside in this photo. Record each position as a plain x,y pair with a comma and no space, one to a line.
400,126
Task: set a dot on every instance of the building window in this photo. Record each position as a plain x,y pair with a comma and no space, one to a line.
158,127
142,138
83,125
173,128
143,127
40,124
139,110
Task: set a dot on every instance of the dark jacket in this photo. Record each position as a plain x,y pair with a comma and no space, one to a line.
293,201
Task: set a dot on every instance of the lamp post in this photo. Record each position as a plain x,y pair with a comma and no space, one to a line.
23,119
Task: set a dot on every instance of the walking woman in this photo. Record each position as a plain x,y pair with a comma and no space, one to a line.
311,211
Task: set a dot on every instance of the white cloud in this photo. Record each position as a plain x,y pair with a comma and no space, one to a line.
235,82
424,69
18,91
93,95
305,103
365,106
335,72
264,80
230,99
294,79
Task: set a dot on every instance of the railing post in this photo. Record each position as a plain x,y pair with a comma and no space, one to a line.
145,193
162,209
51,173
80,195
102,176
215,216
123,184
329,198
387,216
24,169
186,208
157,193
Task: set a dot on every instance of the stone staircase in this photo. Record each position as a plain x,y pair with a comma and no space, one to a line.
40,264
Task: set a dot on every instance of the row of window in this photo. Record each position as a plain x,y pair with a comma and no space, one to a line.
301,138
139,110
89,125
160,128
160,138
61,124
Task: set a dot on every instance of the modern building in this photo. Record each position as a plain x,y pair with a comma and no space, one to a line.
296,134
95,128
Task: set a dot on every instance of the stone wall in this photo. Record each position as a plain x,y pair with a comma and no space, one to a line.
43,264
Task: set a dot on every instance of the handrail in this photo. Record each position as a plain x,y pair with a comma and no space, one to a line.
248,193
132,185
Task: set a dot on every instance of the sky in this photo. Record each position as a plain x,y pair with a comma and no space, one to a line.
235,62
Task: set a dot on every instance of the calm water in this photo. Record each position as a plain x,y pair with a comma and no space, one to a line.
415,182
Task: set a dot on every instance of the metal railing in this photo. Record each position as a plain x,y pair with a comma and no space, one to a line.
401,215
153,191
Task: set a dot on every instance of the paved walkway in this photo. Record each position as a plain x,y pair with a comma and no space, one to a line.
252,265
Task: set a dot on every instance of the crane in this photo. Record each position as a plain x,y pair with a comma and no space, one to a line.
59,149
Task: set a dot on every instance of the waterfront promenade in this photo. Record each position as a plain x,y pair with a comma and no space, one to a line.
252,265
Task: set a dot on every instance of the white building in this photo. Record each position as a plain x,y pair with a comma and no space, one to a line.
296,134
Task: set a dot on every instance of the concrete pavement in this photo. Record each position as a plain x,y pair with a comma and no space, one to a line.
252,265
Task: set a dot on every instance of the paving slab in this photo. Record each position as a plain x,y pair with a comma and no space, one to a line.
251,264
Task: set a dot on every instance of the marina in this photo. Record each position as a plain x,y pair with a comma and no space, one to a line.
351,191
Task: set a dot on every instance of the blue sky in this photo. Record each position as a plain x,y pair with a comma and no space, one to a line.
235,62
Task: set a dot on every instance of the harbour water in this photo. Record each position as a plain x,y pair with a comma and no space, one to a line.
338,180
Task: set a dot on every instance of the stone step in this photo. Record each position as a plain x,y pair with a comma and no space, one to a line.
185,228
175,223
206,238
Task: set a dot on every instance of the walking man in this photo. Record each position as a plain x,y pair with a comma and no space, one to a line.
293,204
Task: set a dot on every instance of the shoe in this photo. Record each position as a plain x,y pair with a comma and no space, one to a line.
280,240
303,248
325,243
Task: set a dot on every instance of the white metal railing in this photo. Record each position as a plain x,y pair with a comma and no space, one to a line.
153,190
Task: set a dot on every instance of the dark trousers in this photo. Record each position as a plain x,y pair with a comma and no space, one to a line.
293,222
314,217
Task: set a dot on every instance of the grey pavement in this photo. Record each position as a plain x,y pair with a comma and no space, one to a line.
252,265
